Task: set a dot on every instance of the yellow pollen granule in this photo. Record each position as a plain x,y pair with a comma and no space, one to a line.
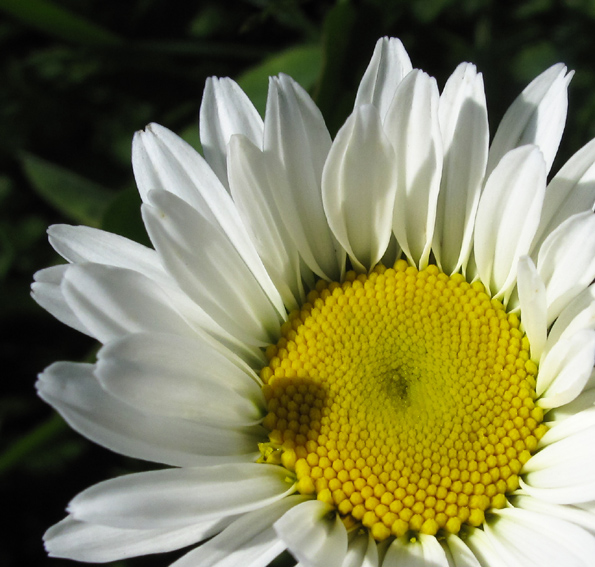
404,398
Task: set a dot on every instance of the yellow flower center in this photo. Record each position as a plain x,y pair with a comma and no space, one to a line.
403,398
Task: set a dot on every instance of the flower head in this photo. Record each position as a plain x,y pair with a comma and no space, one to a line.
374,350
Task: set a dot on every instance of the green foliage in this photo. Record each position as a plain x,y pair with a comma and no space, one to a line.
122,216
331,97
303,63
77,198
55,20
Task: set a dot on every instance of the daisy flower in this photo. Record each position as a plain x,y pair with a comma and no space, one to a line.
370,351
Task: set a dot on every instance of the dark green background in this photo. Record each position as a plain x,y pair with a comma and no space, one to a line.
78,77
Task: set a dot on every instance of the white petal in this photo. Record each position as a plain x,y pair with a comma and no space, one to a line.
571,191
212,273
537,116
91,543
112,302
161,160
566,427
47,291
254,196
584,401
174,166
577,516
389,64
566,261
482,547
577,316
413,129
565,369
563,472
226,110
587,506
358,188
298,142
527,539
465,132
507,217
460,554
422,552
250,541
532,299
73,390
180,377
82,244
179,497
312,536
362,551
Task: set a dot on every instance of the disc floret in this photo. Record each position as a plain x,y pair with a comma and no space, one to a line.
404,398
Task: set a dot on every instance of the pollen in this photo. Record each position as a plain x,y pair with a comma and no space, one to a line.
405,399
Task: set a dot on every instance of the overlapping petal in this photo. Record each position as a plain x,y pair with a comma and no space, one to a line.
250,541
422,552
412,127
254,195
389,64
163,161
298,142
213,274
74,391
507,217
528,539
180,377
112,302
358,188
225,111
47,291
86,542
458,553
570,192
465,132
565,369
566,261
533,303
562,472
82,245
537,116
314,538
362,551
180,497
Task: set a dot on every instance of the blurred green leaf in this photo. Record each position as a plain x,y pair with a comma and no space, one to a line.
191,135
57,21
7,252
31,442
210,20
303,63
532,8
5,187
533,60
123,217
338,25
427,12
74,196
586,7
